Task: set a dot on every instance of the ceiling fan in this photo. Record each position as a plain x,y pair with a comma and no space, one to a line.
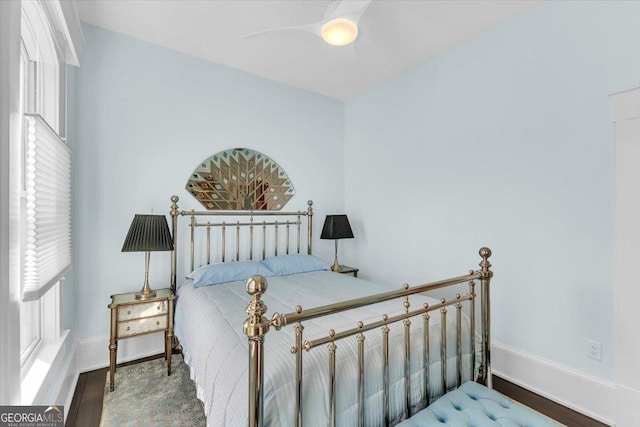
339,27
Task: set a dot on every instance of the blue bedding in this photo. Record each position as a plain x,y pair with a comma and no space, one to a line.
208,323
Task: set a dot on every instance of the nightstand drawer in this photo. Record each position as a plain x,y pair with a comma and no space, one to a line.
136,311
141,326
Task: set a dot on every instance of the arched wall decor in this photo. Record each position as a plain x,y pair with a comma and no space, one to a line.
240,179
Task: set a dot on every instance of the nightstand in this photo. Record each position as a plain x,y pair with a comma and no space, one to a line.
131,317
345,269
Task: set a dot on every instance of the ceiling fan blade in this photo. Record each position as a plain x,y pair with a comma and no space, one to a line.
365,41
314,28
331,9
351,9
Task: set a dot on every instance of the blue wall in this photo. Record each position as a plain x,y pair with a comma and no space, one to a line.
145,116
505,140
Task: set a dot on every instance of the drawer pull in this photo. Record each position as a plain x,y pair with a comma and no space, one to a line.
158,306
157,323
129,312
128,328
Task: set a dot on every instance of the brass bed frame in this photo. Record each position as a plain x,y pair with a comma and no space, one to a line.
257,326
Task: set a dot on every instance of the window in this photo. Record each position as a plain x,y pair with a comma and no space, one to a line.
30,328
45,28
46,69
45,194
47,244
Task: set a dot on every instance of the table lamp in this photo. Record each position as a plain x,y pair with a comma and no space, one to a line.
336,227
148,233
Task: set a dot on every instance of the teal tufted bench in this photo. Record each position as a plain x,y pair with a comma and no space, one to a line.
474,405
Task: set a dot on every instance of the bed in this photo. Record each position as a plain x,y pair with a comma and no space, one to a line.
336,350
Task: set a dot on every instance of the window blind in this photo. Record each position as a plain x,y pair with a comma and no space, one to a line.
48,214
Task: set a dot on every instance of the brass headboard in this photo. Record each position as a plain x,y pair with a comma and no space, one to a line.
271,222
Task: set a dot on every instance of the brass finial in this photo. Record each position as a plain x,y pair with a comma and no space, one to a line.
485,265
332,333
277,321
174,205
256,285
443,309
385,327
256,325
360,325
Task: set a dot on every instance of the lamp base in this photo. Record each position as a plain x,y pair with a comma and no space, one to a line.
146,292
142,295
336,266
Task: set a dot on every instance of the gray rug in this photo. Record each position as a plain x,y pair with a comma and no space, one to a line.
146,396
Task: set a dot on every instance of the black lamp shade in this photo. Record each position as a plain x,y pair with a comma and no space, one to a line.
148,233
336,227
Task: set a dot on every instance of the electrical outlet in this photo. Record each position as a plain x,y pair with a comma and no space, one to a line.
594,350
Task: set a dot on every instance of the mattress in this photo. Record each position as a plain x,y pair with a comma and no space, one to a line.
208,323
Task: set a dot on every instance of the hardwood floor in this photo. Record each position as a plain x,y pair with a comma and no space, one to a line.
86,407
550,408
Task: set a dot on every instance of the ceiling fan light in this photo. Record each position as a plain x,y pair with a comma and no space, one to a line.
339,32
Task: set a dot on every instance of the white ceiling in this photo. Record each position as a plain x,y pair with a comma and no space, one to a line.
394,35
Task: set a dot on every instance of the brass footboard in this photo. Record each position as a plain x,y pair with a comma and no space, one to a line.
257,326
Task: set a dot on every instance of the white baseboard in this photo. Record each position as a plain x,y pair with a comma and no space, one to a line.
584,393
69,381
94,352
53,382
628,407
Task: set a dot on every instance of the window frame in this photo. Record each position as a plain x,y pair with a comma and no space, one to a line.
42,92
42,48
30,312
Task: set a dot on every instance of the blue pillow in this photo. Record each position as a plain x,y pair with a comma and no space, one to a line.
214,274
284,265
